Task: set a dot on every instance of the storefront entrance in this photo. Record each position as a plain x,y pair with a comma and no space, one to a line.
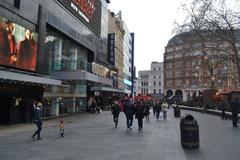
16,102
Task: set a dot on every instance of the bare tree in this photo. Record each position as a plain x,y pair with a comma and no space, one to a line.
202,37
226,23
214,21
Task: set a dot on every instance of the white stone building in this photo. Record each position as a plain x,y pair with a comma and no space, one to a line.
151,82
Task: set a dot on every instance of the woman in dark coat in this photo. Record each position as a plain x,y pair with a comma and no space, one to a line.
147,111
139,114
158,108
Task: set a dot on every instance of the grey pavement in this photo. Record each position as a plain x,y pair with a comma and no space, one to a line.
93,137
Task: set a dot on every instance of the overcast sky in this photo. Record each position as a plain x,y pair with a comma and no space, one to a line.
152,22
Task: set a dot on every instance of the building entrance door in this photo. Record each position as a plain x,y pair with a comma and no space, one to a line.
4,110
16,102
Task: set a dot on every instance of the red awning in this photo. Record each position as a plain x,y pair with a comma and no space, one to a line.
229,91
144,97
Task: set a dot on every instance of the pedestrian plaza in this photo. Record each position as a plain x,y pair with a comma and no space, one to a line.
94,137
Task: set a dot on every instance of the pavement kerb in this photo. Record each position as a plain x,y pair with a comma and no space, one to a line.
209,111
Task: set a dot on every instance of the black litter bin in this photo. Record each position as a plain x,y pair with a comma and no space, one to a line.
177,112
189,132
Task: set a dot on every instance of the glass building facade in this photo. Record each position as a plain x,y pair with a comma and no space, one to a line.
71,57
127,60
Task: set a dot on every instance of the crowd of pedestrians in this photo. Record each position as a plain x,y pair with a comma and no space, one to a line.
94,106
138,109
233,106
133,109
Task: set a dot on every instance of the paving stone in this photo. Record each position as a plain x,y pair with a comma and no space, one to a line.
93,137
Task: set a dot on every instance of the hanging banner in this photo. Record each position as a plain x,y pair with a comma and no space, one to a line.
111,48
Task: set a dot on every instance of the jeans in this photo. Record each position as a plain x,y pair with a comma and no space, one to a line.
157,114
129,120
140,123
115,118
39,128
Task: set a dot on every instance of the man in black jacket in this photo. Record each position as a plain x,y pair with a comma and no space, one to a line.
128,109
37,119
115,111
235,108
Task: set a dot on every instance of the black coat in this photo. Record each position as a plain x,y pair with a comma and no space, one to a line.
37,114
115,109
146,109
139,111
128,108
235,107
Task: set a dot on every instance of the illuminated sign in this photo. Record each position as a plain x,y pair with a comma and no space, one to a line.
125,81
111,48
18,46
88,11
100,70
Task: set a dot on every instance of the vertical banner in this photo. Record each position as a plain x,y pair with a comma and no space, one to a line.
111,48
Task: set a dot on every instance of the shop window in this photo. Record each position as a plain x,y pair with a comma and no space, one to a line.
64,54
16,4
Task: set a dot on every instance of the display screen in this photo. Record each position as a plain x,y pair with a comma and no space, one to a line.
18,46
88,11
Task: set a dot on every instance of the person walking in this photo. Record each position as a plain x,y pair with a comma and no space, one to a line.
128,109
223,108
37,119
235,108
98,107
164,109
147,111
93,106
139,114
158,109
61,127
153,107
116,111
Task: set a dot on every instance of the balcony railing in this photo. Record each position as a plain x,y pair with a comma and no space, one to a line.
78,89
71,65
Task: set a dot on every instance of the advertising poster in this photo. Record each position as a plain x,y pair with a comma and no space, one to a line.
18,46
87,11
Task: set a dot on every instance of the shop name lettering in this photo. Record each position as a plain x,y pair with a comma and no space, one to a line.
85,8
